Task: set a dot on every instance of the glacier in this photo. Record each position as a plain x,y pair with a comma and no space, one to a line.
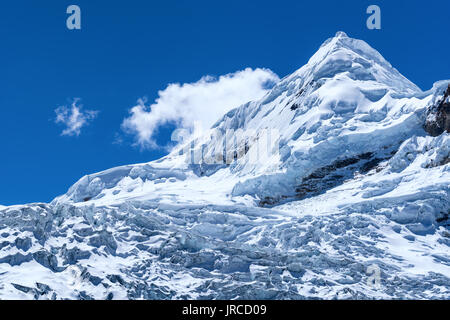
352,183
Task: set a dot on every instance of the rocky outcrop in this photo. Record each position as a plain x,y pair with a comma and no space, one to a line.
438,118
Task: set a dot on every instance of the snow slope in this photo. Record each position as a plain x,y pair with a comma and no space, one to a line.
346,101
302,194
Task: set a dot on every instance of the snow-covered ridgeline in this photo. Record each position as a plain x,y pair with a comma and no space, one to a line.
355,182
347,101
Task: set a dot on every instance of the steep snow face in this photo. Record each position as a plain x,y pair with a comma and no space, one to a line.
297,195
347,100
357,60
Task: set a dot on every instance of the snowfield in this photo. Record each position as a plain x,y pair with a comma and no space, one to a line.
328,187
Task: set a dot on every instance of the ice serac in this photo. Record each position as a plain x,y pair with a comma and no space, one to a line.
355,183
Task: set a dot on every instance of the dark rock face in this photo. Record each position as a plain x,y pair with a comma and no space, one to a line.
335,174
294,107
438,118
330,176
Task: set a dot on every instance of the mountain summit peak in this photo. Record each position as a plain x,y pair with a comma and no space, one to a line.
343,55
341,34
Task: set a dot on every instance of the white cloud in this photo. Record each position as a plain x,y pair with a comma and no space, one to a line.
200,103
74,118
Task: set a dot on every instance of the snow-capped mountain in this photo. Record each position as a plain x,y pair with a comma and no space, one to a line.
330,186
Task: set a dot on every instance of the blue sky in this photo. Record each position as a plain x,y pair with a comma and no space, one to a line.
130,50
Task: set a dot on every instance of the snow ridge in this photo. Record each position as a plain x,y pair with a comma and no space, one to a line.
297,195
